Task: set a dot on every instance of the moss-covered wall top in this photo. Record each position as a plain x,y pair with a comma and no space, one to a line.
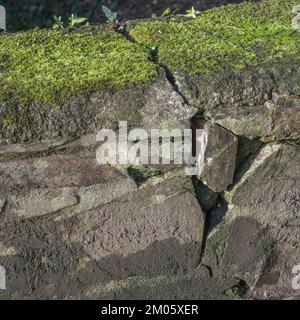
46,66
233,36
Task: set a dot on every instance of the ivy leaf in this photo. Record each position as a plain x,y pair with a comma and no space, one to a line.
110,15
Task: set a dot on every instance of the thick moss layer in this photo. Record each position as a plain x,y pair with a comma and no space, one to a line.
232,36
46,66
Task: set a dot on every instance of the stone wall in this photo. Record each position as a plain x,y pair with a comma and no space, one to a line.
71,228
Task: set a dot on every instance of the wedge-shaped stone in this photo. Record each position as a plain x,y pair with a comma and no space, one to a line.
220,156
268,188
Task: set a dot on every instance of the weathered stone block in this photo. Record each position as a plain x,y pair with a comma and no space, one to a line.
35,187
159,225
279,119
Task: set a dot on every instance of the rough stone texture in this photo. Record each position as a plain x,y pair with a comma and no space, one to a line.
156,230
276,280
196,284
56,171
57,182
227,89
257,241
155,103
39,203
238,249
235,89
132,224
269,190
279,118
71,228
261,256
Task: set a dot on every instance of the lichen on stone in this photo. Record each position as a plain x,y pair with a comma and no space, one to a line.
230,37
42,66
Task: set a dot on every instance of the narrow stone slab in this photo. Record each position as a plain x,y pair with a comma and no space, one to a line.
196,285
56,171
41,202
35,187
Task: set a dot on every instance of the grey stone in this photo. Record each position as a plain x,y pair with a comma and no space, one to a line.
85,114
278,118
276,279
164,213
220,157
44,185
238,248
258,239
56,171
196,285
268,188
41,202
234,88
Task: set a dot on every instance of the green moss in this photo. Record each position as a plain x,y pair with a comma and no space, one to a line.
232,36
47,66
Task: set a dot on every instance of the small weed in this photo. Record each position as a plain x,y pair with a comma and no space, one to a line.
167,12
58,23
192,13
75,21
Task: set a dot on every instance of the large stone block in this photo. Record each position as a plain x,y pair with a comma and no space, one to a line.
150,232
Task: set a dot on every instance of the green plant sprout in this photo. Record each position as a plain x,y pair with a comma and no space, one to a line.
167,12
75,21
110,15
58,23
192,13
